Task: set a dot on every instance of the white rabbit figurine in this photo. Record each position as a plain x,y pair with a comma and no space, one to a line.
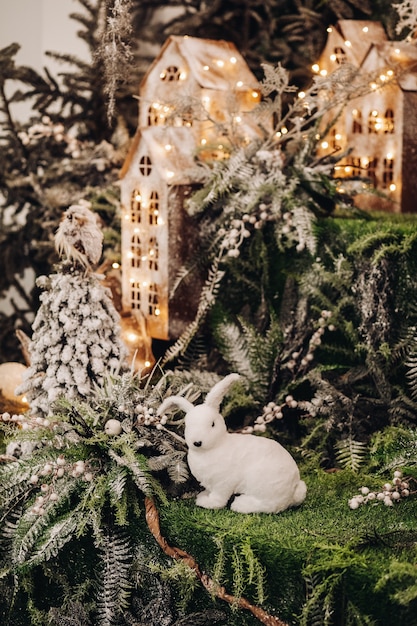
260,474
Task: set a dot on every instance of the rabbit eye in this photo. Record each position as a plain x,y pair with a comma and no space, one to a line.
212,424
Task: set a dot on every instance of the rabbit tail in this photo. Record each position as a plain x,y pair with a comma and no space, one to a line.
299,493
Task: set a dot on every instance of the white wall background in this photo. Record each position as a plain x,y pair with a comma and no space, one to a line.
39,26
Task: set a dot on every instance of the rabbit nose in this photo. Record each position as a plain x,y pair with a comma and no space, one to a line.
198,444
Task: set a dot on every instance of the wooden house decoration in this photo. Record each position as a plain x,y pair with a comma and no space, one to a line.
193,91
379,128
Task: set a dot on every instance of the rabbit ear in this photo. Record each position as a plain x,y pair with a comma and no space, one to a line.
217,393
179,401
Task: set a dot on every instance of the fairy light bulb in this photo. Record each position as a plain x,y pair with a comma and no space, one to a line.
315,68
233,60
324,145
323,73
219,63
348,44
365,29
168,147
206,68
239,83
392,187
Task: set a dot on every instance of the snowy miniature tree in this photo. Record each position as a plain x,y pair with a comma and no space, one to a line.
75,333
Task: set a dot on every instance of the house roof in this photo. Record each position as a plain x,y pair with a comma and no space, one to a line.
396,55
215,64
171,150
362,34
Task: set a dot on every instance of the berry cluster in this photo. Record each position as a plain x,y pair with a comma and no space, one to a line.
146,416
390,493
25,421
273,411
301,359
48,477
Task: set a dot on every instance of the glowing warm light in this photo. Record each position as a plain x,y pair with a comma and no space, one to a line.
333,57
348,44
162,75
238,119
233,60
147,363
364,162
301,94
132,337
144,257
168,147
220,63
157,312
160,221
255,94
151,252
392,187
383,78
170,174
136,230
126,217
330,29
390,73
338,136
203,142
239,83
130,255
206,68
397,51
323,72
374,86
278,133
348,169
315,67
144,284
365,29
374,113
183,75
138,197
324,145
389,155
115,266
284,130
131,280
24,400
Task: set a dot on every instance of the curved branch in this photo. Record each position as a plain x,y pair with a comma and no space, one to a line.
152,519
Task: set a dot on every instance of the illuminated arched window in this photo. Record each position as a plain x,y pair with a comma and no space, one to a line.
389,121
145,166
136,250
153,208
157,114
153,300
372,165
135,295
388,172
357,121
339,55
135,206
374,122
170,74
153,254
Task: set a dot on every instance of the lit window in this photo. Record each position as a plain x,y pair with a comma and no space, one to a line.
153,300
339,55
357,121
389,121
153,254
153,208
136,250
135,206
135,295
388,172
172,73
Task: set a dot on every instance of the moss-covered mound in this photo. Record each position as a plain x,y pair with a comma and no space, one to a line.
322,563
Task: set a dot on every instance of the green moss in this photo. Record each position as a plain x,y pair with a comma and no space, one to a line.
346,551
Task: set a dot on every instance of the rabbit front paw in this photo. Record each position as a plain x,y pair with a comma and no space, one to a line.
210,500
